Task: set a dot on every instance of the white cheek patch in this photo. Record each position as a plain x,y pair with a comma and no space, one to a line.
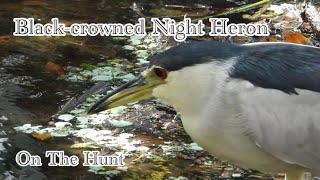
190,87
164,91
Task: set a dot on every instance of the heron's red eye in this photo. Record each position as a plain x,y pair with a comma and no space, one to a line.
161,73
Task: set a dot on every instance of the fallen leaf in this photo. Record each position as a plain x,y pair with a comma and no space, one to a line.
5,39
54,69
296,38
41,136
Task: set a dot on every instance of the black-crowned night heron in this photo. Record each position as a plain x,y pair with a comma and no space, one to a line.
256,105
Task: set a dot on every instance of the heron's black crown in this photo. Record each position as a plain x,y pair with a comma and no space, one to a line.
282,66
193,53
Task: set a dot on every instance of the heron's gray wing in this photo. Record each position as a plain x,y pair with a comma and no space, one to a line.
284,106
287,126
283,66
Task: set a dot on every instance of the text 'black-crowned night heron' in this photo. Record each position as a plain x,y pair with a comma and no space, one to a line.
256,105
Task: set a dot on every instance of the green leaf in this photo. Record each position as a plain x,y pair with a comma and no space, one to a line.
135,42
142,54
102,78
118,110
65,117
128,47
195,147
128,77
86,66
120,123
142,61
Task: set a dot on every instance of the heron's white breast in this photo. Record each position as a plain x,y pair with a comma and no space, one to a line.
212,114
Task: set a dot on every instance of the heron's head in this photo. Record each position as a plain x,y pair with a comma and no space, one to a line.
178,76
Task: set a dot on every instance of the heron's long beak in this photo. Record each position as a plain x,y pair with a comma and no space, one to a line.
137,89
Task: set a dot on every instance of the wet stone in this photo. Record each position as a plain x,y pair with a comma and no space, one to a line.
14,60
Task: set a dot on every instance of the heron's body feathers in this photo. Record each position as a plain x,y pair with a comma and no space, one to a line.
258,113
